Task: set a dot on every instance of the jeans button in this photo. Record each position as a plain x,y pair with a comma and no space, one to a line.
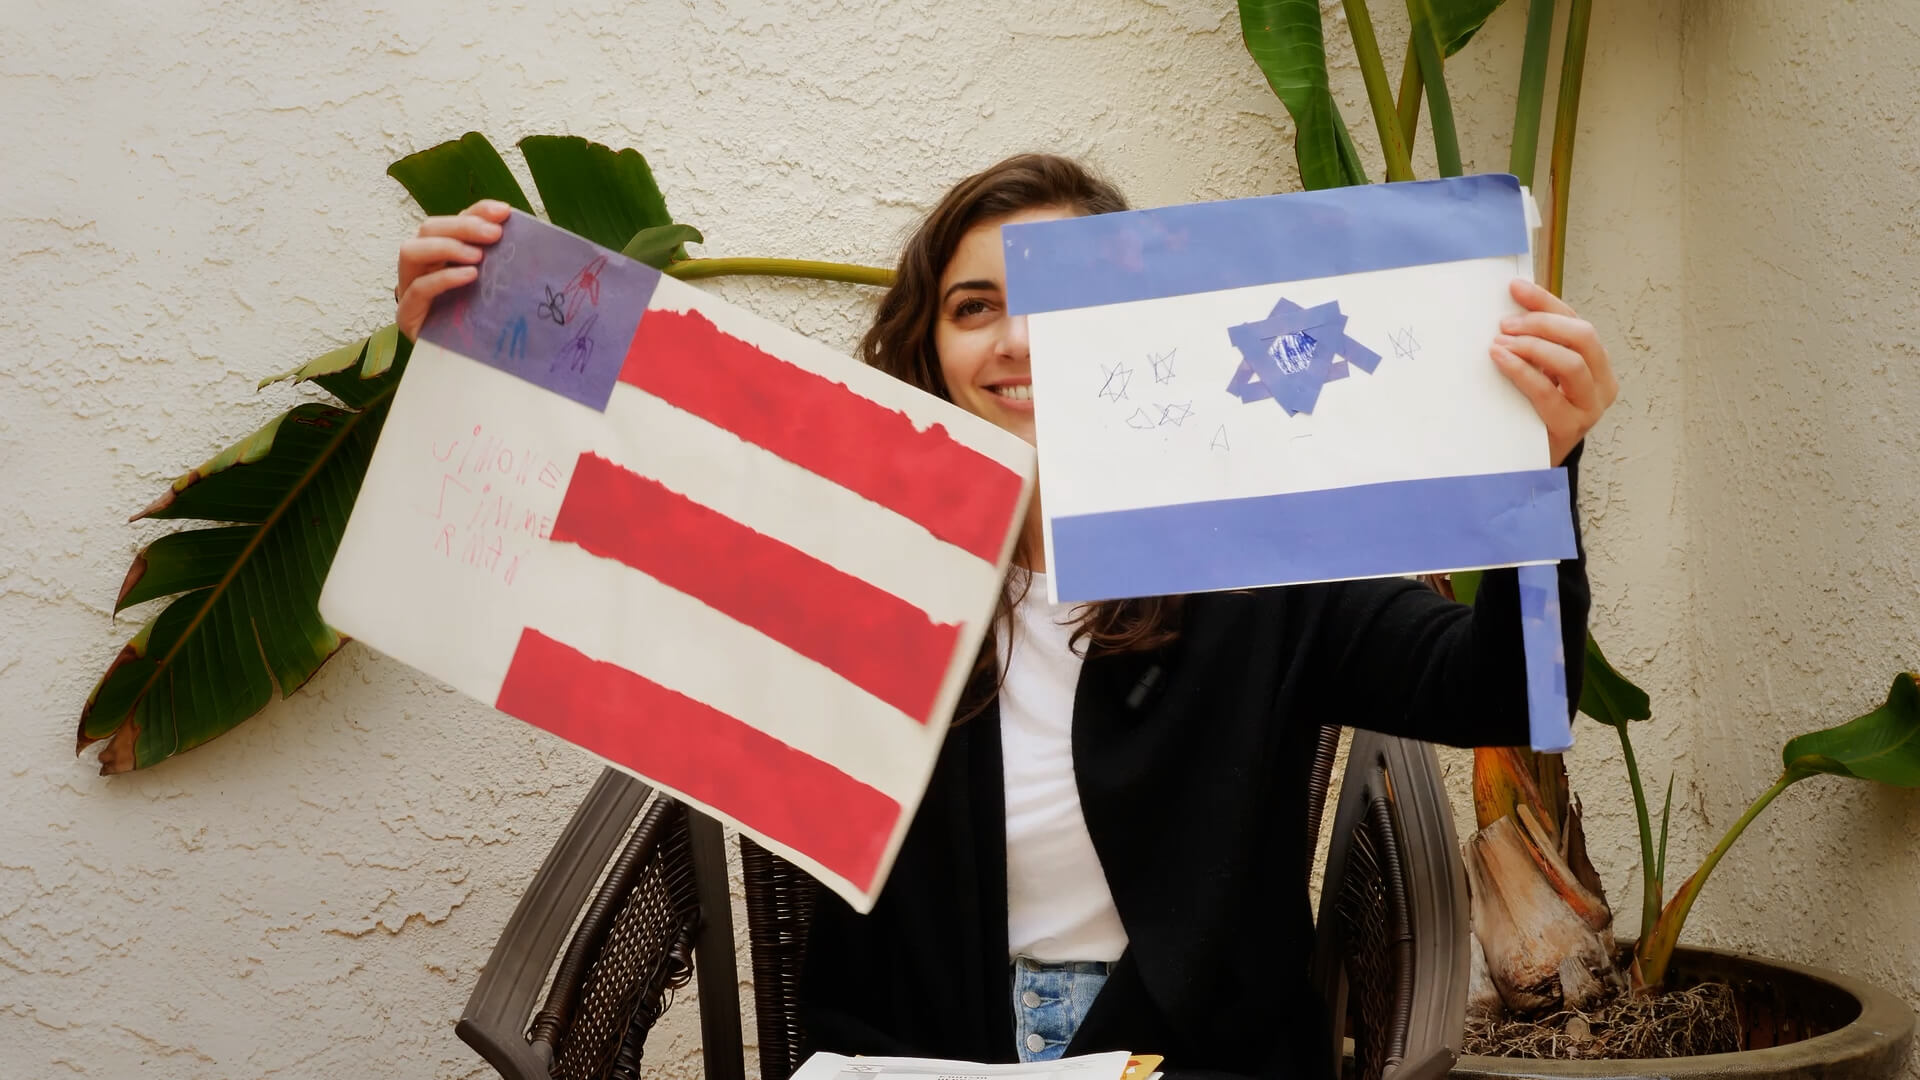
1036,1042
1030,999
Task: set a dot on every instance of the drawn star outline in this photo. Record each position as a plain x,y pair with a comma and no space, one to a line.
1174,415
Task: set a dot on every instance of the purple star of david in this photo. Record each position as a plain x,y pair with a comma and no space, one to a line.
1293,352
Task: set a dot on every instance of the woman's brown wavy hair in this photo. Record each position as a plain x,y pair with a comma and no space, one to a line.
900,342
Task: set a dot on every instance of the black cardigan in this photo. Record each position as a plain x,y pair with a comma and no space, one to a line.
1192,764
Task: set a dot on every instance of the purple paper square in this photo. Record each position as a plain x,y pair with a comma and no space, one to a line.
550,307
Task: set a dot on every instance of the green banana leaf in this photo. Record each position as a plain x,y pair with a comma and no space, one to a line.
1605,694
1456,21
604,195
1424,38
245,620
1883,745
1285,39
452,176
660,244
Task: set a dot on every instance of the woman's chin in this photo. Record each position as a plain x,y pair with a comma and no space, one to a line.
1019,422
1013,415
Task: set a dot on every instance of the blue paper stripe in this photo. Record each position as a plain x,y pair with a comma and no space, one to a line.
1374,530
1202,247
1550,725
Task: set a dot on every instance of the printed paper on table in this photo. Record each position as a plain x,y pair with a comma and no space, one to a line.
720,556
1111,1065
1292,388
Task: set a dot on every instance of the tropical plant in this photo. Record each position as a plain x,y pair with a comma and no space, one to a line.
1540,915
1882,745
245,619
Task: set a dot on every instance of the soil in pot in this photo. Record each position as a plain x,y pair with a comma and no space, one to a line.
1702,1019
1731,1005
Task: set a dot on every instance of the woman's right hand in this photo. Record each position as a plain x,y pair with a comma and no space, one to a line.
444,255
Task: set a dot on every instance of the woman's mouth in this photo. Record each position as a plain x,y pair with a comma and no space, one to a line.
1008,392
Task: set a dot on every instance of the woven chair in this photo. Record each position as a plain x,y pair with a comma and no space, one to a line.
633,901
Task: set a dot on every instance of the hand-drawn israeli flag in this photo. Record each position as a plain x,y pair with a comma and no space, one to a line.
1286,389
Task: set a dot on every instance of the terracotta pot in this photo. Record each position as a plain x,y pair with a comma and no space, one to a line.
1804,1023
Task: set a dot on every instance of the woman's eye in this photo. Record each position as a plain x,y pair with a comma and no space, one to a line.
969,307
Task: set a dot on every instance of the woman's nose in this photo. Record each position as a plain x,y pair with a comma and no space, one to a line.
1014,342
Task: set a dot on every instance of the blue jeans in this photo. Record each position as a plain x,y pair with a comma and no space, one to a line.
1050,1001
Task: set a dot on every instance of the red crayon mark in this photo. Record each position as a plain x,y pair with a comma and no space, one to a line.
768,786
586,284
864,634
953,491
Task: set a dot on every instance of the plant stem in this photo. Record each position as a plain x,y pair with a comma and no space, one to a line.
1410,97
692,269
1350,167
1655,950
1392,144
1533,82
1566,121
1426,46
1650,885
1666,813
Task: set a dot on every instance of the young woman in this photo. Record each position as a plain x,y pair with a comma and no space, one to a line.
1110,853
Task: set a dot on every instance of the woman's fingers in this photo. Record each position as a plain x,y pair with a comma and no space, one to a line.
1536,298
492,209
424,255
1570,330
1565,423
423,252
469,227
442,256
1564,366
418,296
1576,335
1556,359
1545,394
1551,319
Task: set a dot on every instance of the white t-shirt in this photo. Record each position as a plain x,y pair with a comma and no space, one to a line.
1058,905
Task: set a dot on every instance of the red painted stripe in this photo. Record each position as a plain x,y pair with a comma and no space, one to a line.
957,493
695,749
864,634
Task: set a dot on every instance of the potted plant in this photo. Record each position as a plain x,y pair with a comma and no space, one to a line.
1550,981
1556,986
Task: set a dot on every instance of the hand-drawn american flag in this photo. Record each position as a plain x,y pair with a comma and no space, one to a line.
716,554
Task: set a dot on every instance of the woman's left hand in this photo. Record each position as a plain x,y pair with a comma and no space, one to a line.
1556,359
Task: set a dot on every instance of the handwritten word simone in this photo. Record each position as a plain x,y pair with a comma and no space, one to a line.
495,501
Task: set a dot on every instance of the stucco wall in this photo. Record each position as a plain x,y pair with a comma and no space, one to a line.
193,198
1802,468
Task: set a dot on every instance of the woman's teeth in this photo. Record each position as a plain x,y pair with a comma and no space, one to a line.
1015,393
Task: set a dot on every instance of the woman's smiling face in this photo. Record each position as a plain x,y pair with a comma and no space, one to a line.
982,349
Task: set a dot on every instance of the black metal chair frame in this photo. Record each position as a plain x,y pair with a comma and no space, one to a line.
1390,956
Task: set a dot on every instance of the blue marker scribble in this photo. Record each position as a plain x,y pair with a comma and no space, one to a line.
511,345
1293,352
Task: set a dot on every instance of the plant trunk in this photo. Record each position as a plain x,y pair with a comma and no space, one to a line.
1546,937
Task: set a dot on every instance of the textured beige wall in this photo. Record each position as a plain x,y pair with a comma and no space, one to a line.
1802,471
192,198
